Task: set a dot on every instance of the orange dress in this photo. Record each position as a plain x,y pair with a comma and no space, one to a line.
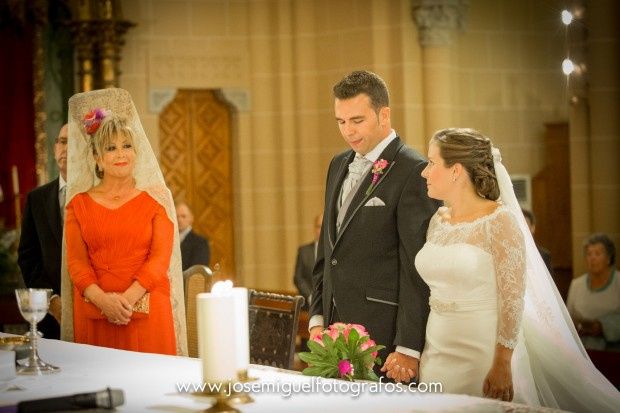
113,248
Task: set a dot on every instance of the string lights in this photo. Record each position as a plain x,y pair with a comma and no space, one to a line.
568,66
567,17
573,65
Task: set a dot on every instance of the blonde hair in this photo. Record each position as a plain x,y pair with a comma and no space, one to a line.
473,150
111,126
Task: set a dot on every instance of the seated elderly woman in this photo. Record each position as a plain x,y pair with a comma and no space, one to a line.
594,298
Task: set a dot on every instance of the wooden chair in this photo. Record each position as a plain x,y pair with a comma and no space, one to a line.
273,322
196,279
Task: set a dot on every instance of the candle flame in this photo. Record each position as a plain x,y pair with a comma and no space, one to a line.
222,287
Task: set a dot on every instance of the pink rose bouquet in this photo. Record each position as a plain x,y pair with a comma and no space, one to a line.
342,351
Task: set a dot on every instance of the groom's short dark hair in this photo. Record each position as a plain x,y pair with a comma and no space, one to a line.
363,81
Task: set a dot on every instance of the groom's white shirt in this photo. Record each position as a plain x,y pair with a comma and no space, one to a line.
372,156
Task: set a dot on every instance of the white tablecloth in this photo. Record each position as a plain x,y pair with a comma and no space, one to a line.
150,383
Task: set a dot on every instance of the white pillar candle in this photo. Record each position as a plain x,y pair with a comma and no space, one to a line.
216,336
242,336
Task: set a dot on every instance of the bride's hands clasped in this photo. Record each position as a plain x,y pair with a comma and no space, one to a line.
400,367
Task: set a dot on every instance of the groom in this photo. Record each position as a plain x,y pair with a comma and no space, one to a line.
375,219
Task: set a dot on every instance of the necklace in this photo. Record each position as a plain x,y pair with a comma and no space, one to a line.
120,195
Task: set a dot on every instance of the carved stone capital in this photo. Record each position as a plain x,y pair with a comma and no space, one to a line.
438,19
239,98
159,98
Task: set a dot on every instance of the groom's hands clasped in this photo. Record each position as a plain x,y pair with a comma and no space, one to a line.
400,367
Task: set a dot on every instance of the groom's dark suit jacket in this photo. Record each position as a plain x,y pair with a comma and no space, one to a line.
40,246
367,269
303,271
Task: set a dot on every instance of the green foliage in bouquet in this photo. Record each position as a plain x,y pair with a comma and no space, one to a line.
342,351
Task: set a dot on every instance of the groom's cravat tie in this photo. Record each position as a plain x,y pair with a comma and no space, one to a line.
357,169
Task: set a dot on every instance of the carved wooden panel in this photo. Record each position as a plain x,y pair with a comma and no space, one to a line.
196,159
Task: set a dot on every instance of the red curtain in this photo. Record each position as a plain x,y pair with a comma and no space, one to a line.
17,136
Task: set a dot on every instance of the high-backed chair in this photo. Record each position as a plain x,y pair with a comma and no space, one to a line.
196,279
273,321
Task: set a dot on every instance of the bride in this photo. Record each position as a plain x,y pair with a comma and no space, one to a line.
497,326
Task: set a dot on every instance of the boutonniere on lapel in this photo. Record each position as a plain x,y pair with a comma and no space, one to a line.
377,170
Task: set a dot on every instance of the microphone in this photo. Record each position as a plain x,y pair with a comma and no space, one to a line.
106,399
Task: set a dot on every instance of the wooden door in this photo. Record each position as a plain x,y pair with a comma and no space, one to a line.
552,204
196,159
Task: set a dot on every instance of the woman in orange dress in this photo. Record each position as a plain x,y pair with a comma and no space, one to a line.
119,242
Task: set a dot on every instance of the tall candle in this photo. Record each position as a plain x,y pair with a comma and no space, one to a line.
15,180
242,329
216,336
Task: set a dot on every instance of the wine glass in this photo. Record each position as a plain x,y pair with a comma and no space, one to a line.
33,304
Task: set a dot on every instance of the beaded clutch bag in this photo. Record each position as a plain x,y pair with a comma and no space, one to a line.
142,305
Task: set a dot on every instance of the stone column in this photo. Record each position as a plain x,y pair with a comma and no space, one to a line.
436,21
594,125
579,138
603,68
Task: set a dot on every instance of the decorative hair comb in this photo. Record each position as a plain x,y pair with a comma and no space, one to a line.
92,120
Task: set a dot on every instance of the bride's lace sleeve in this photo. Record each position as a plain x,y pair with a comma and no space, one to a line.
508,248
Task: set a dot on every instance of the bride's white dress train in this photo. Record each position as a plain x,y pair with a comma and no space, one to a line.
475,272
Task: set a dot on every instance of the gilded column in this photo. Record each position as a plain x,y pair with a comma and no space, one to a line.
111,28
98,30
436,21
40,116
81,28
107,62
84,46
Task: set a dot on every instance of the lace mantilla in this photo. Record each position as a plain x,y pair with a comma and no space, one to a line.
498,235
148,176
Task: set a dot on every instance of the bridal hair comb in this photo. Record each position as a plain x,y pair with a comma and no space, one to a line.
92,120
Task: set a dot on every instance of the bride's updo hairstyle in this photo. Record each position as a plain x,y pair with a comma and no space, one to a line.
104,126
473,150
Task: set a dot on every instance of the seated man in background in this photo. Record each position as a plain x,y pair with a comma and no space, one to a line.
194,248
306,256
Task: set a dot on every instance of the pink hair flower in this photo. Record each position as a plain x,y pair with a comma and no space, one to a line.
92,120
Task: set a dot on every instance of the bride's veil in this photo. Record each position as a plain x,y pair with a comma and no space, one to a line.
81,177
564,375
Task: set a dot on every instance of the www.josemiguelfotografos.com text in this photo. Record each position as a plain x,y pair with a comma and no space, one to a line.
315,385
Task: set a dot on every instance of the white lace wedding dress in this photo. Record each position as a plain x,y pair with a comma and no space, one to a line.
476,275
